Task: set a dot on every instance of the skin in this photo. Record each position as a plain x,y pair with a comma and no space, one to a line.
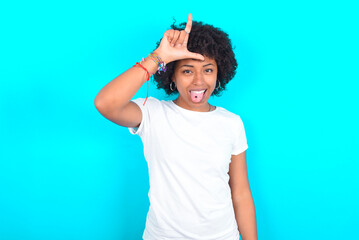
195,74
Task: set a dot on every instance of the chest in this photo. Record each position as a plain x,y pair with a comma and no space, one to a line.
203,144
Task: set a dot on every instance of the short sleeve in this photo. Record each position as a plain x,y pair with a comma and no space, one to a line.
240,140
145,119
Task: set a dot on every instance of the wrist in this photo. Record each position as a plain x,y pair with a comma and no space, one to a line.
162,56
150,65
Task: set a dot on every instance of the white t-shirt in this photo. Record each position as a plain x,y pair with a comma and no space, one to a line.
188,155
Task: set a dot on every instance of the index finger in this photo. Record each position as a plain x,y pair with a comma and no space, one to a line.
189,24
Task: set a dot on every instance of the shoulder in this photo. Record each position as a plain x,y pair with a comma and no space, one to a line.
230,118
150,103
150,100
228,114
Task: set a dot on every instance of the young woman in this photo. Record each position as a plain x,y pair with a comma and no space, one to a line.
196,152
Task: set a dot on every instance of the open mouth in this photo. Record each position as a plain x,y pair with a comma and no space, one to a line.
197,96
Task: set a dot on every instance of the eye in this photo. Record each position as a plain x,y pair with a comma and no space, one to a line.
209,70
186,71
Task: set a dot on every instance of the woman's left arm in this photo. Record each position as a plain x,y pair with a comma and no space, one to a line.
242,197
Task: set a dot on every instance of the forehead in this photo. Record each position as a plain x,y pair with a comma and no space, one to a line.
196,63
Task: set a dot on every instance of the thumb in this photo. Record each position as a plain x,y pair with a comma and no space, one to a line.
195,56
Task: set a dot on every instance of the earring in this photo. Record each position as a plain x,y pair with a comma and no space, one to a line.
172,89
218,85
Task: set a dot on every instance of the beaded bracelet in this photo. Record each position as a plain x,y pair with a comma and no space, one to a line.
147,74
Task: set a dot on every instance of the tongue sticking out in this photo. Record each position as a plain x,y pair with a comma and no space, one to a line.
196,96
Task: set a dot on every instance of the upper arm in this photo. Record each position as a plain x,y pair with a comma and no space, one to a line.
238,180
128,116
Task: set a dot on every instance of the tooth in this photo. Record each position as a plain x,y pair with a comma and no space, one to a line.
198,91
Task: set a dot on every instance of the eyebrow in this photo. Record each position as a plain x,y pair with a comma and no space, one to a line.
192,66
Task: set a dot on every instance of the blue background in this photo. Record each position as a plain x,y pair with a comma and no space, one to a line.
67,173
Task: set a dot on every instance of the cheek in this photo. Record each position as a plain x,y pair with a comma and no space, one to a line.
212,80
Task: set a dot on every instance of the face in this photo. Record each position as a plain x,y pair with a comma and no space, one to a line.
192,77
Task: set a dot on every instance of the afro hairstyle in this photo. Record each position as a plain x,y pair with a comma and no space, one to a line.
209,41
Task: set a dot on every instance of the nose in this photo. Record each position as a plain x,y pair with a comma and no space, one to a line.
198,78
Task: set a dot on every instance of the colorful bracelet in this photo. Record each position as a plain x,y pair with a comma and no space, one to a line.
161,67
161,64
147,74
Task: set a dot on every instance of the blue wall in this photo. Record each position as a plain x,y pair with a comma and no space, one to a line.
68,173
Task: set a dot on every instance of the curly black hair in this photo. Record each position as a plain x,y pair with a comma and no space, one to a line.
211,42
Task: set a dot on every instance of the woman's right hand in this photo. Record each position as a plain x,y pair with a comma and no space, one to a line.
173,45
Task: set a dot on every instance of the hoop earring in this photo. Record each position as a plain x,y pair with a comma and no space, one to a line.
218,85
172,89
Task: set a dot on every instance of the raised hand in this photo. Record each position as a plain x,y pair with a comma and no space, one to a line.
173,45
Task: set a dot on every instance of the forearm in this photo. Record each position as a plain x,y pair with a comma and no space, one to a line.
245,216
119,92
